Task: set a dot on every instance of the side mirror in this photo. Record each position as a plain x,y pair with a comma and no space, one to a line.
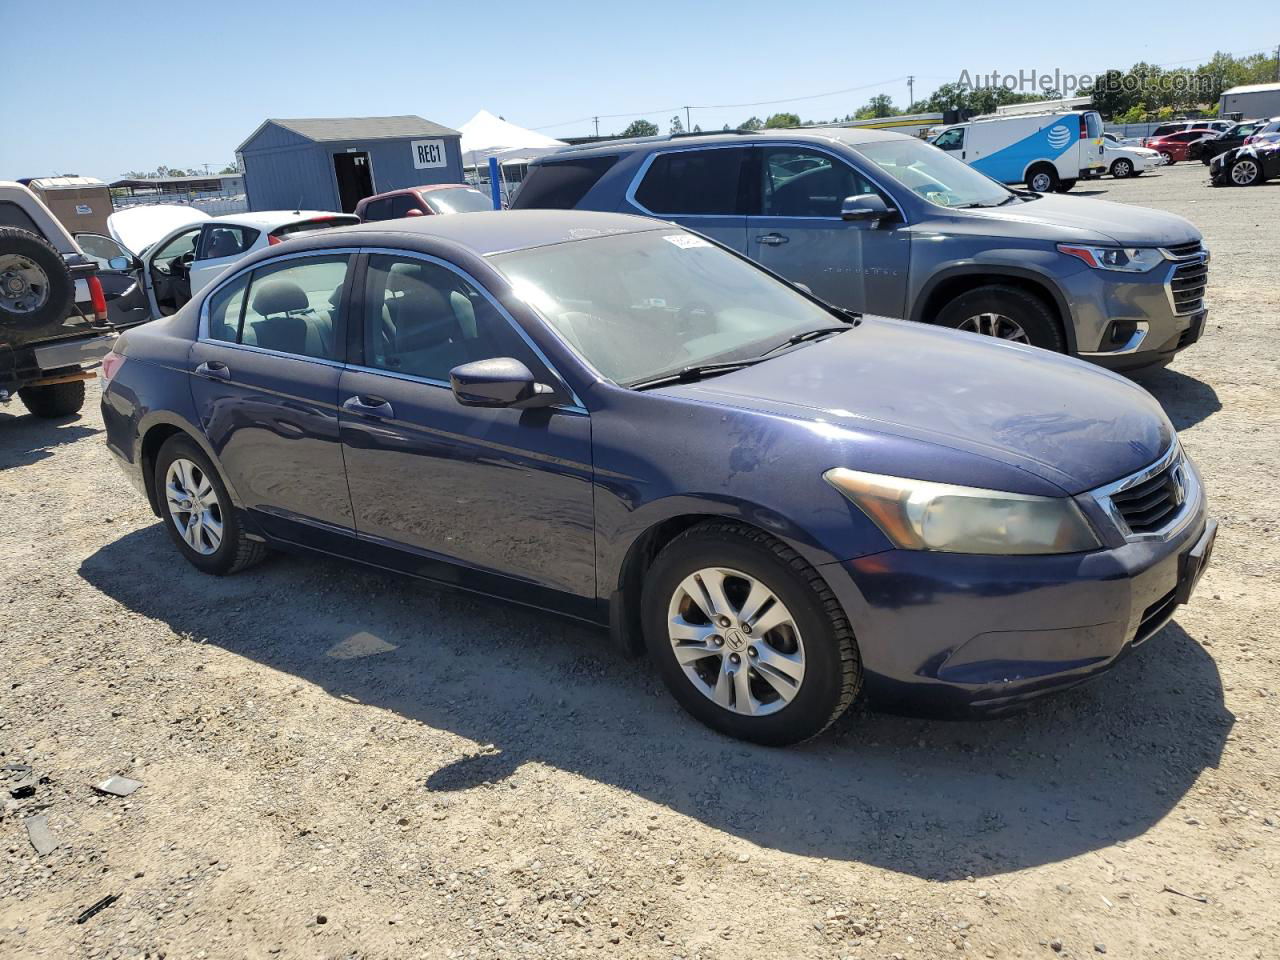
500,382
415,212
865,206
122,263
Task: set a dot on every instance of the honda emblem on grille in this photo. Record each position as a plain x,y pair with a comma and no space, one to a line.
1178,485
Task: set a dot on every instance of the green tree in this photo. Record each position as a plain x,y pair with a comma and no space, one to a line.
641,128
755,123
229,168
782,120
677,126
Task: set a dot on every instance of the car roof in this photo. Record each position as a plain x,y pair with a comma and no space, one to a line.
847,135
501,231
267,219
420,188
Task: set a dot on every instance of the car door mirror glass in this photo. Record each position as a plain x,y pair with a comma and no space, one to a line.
865,206
120,263
498,382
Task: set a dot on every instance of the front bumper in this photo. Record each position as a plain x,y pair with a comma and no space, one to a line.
949,631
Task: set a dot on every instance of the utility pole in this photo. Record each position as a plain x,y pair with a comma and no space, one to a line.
911,97
688,124
597,122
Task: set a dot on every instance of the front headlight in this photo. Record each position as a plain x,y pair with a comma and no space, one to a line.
1125,259
920,515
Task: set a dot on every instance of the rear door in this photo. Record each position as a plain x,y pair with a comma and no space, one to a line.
265,372
704,189
799,233
220,245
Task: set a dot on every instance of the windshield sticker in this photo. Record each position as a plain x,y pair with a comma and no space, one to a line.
685,240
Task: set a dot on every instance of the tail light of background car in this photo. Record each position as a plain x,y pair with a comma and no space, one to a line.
111,365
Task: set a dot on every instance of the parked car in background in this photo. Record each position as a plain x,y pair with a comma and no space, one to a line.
1183,126
425,201
879,222
1173,147
1048,152
179,250
782,503
1127,161
1118,141
1206,149
1246,166
53,313
1268,131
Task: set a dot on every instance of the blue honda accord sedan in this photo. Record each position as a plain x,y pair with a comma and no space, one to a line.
618,420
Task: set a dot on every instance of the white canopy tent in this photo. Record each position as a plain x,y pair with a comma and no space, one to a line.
485,136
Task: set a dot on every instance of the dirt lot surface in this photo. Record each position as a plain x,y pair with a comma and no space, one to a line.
340,763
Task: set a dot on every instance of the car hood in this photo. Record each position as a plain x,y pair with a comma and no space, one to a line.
1065,421
136,228
1099,221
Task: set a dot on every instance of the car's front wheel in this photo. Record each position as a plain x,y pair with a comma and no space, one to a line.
1006,313
748,636
1121,168
198,512
1246,172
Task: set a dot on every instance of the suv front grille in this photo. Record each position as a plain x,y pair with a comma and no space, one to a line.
1190,276
1185,249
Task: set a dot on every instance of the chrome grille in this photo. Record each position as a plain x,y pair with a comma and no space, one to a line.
1185,249
1155,502
1190,276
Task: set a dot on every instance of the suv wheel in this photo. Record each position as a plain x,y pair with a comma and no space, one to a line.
1007,313
54,399
35,285
748,636
1246,172
1042,179
1121,168
198,513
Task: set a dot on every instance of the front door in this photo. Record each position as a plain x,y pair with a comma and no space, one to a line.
506,493
860,265
120,274
264,379
167,271
355,178
704,190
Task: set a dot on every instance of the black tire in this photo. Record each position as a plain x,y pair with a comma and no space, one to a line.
1044,175
236,551
1121,168
54,399
1255,177
833,669
1065,185
1022,307
23,255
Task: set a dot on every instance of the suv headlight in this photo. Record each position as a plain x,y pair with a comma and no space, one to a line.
1125,259
920,515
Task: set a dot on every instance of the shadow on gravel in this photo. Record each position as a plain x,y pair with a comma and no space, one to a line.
1185,399
936,799
25,439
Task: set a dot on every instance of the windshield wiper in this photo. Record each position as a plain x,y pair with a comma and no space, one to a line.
804,337
695,372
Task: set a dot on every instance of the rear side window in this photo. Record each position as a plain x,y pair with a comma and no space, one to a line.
694,182
218,242
12,215
562,184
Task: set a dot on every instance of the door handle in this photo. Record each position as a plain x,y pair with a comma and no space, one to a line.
772,239
214,369
367,406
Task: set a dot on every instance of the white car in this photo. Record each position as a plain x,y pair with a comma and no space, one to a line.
1128,161
180,250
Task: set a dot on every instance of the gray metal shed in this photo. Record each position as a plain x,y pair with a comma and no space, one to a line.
330,164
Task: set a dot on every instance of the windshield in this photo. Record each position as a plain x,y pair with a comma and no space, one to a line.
457,200
939,178
640,305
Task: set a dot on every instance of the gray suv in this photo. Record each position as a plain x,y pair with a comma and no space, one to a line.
885,224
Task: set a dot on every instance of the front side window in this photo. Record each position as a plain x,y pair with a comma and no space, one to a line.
938,177
807,183
696,182
290,306
950,139
1093,125
422,319
640,305
402,204
217,242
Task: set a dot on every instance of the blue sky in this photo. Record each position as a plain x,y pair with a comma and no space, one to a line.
107,88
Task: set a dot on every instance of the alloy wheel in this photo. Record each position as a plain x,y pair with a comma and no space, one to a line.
1122,168
1041,183
1243,172
996,325
193,506
24,287
736,641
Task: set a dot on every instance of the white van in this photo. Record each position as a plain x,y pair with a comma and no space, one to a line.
1046,151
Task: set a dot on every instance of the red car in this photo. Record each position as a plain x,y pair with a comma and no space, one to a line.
422,201
1174,146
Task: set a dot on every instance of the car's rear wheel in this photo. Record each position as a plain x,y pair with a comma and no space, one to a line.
1006,313
1246,172
1042,179
198,512
1121,168
748,636
53,399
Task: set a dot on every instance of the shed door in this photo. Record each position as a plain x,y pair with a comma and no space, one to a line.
355,178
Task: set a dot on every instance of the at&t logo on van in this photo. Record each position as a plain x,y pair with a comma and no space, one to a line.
1059,136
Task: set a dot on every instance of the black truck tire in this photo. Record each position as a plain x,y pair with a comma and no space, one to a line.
54,399
35,285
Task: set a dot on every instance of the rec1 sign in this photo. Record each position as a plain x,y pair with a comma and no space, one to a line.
427,153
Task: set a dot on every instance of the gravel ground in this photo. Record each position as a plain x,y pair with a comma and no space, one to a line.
340,763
